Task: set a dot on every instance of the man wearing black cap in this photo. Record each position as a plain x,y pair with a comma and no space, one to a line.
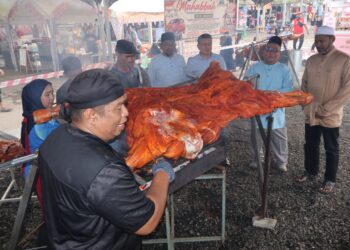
71,68
277,77
167,68
130,74
91,199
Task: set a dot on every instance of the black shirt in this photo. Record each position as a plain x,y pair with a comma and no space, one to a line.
91,199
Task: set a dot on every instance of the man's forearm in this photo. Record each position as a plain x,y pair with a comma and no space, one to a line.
158,193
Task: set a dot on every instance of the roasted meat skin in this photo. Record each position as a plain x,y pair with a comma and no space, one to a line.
10,149
176,122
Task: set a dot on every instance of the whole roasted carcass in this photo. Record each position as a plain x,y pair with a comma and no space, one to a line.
10,149
176,122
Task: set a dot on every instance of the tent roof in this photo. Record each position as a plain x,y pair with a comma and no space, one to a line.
141,6
138,11
36,11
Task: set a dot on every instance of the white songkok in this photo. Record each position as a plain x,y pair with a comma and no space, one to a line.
325,30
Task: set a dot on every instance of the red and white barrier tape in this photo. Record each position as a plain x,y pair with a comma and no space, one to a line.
25,80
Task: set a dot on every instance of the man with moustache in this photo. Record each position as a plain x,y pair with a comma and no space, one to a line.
327,78
274,76
91,198
196,65
130,74
167,68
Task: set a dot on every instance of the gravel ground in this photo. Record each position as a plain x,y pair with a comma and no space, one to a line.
306,219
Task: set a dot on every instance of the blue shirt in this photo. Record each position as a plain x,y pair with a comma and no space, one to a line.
273,77
37,136
165,71
196,65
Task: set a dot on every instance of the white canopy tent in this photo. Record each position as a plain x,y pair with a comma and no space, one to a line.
49,12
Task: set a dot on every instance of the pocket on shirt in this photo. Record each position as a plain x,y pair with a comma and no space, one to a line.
332,85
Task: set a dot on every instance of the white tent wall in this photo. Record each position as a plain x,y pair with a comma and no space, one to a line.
136,11
29,12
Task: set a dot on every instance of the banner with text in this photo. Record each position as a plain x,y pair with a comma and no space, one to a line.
189,19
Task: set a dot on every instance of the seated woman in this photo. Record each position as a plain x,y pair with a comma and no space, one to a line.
38,94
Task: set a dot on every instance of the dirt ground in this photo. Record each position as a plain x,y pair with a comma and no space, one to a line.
306,219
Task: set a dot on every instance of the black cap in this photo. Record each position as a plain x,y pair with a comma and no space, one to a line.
167,36
126,47
71,63
276,40
94,87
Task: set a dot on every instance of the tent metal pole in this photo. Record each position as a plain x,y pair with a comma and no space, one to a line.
102,34
10,41
108,30
53,45
284,16
237,15
150,32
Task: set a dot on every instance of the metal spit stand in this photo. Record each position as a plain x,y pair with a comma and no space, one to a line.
26,196
210,158
261,220
13,183
252,49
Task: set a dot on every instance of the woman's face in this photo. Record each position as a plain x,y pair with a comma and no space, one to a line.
47,97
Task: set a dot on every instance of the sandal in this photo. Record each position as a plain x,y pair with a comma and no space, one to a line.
306,177
327,187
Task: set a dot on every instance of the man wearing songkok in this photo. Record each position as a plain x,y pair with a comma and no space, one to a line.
274,76
327,78
167,68
91,199
71,68
196,65
130,74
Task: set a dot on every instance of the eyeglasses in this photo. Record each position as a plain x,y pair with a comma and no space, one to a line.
274,50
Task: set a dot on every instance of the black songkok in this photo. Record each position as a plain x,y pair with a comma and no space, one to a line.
126,47
167,36
276,40
94,88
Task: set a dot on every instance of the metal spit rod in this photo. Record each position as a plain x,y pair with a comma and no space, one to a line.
18,161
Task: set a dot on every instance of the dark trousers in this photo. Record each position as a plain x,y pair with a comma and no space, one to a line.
312,150
301,41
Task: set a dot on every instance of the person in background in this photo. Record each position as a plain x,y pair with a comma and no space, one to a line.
147,57
274,76
2,107
38,94
71,68
167,68
318,23
131,36
285,35
196,65
298,31
91,198
131,75
91,44
227,54
327,78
